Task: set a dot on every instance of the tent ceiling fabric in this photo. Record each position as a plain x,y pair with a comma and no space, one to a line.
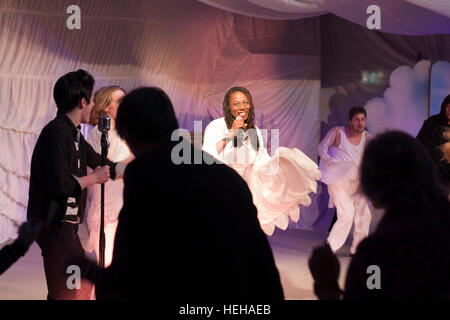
407,17
442,7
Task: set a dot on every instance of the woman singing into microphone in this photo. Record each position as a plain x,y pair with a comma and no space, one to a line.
279,183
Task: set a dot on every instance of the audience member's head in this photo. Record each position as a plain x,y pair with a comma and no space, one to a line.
72,90
106,102
145,117
397,174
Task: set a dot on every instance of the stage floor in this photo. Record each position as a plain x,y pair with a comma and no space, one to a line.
25,280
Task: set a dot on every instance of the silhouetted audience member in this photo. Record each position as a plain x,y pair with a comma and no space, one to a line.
411,245
186,230
28,232
434,134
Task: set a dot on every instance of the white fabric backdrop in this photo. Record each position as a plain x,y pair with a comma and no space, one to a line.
191,50
412,17
195,52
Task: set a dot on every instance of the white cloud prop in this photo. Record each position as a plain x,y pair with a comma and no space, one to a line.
404,103
440,85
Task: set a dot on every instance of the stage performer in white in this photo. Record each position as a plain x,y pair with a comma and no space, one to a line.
340,154
106,102
279,183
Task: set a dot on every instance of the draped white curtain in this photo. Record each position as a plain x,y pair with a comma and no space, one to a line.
408,17
193,51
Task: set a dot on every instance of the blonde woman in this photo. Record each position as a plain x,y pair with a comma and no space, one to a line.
106,102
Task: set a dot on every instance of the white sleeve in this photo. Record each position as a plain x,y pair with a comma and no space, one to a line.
325,144
262,143
94,140
260,138
212,136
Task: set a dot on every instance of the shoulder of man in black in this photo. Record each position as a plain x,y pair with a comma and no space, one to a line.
57,128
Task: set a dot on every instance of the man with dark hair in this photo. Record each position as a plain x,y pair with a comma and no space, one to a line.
340,154
59,179
354,111
186,231
434,134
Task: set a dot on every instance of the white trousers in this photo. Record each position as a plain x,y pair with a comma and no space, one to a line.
110,234
350,205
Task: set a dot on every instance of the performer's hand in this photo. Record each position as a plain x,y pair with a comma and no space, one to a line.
101,174
237,123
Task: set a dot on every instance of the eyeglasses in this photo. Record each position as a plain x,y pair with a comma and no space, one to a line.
236,104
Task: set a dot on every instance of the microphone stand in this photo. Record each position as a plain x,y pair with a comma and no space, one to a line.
104,145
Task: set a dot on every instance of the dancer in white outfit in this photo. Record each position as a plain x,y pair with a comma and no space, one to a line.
106,101
340,154
279,183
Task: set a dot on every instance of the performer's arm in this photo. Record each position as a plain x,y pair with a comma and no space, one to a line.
213,142
99,175
93,160
326,143
220,145
260,139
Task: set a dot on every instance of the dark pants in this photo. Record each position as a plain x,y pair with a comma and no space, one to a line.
62,241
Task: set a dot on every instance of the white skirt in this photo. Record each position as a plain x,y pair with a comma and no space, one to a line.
279,184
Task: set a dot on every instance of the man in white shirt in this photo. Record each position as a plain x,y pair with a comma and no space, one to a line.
340,154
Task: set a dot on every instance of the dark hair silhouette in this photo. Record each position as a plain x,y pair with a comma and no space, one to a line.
71,88
398,174
355,110
146,114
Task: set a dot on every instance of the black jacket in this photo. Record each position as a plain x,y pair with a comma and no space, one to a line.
431,135
54,161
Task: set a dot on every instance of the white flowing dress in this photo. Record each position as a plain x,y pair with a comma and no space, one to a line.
117,151
278,184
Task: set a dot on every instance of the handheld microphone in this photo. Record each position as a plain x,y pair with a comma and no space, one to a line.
104,124
239,136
